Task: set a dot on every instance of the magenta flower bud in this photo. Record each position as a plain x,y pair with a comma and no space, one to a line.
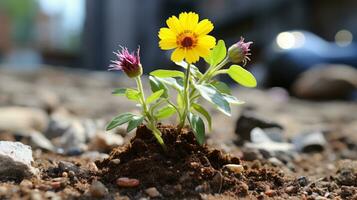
239,52
127,62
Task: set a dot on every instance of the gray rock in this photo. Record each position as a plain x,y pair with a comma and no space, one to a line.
94,155
15,160
326,82
21,118
248,121
73,137
260,140
40,141
310,142
98,189
104,142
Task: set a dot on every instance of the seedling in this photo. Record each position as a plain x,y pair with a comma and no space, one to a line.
189,39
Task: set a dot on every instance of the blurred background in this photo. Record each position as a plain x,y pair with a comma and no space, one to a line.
290,37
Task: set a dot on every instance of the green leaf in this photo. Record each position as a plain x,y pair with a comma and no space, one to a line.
119,91
198,127
221,87
176,83
179,100
242,76
132,94
232,99
134,122
193,69
163,73
217,54
155,96
165,112
119,120
203,112
156,85
212,95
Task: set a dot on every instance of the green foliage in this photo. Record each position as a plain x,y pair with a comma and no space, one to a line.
242,76
218,53
190,87
198,127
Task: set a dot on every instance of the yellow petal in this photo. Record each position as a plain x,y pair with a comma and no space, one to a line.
174,24
178,55
166,44
206,41
188,20
203,27
192,56
166,33
202,51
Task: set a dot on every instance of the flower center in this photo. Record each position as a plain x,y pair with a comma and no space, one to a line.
187,42
187,39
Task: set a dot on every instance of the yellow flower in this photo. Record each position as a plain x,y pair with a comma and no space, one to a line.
188,37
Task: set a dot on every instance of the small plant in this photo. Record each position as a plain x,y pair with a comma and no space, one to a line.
190,40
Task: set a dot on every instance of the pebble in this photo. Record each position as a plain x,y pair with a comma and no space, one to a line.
127,182
98,189
36,195
26,183
92,166
302,180
68,166
270,193
52,195
15,160
249,120
104,142
56,185
152,192
235,168
115,161
40,141
3,190
310,142
22,119
276,162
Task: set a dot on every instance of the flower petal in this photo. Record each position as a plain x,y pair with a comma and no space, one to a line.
174,24
166,33
178,55
204,27
206,41
192,56
188,20
167,44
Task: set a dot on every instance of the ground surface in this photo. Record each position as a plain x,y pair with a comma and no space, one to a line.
188,170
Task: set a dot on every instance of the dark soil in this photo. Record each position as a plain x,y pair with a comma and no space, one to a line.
185,170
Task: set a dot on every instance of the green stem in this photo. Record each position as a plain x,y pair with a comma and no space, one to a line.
151,121
186,97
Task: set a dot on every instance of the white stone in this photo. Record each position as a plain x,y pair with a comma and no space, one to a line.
15,160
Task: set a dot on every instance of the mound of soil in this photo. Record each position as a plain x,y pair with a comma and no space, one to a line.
185,170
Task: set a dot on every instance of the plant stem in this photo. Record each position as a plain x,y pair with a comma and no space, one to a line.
186,97
151,122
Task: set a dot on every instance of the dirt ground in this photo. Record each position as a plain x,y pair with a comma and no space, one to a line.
140,169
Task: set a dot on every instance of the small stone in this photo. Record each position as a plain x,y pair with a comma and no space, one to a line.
92,167
22,119
68,166
71,174
36,195
127,182
115,161
276,162
98,189
52,195
310,142
291,189
94,156
302,180
3,190
270,193
56,185
235,168
26,183
152,192
194,164
15,160
247,121
104,142
65,174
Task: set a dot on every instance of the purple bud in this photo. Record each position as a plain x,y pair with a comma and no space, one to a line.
239,52
127,62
